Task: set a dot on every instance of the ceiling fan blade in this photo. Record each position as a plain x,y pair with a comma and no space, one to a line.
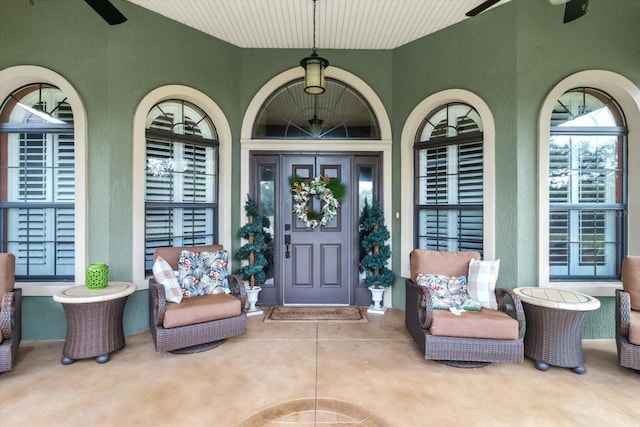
575,9
108,11
481,7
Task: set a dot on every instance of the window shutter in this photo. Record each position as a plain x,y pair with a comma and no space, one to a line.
470,173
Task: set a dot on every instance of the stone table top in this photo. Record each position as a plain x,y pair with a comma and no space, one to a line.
557,298
82,294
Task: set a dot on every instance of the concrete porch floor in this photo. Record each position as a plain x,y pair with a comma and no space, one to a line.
311,374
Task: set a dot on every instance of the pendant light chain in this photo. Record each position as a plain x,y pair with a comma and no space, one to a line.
314,26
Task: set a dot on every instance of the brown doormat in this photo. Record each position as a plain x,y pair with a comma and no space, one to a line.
316,314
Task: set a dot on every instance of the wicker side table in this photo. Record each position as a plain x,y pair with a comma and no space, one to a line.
555,319
94,320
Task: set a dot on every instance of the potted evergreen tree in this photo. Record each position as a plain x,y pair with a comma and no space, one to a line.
254,261
375,253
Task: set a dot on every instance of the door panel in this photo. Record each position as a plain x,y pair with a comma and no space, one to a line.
302,265
318,267
331,264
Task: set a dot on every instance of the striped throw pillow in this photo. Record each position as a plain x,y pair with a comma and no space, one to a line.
164,274
481,282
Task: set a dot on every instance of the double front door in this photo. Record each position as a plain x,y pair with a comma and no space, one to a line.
314,266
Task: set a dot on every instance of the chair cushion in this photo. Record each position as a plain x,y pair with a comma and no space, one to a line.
203,273
202,309
631,279
443,263
7,272
164,274
486,323
634,328
482,279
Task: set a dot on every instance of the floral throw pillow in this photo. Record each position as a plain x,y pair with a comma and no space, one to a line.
215,264
202,273
446,291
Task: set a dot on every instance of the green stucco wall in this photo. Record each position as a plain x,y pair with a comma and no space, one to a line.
510,56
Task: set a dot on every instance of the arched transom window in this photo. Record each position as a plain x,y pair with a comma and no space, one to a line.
339,113
448,172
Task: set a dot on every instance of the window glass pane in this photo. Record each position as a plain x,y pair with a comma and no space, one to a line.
266,206
37,104
586,107
452,120
365,186
181,118
432,176
470,173
339,113
37,178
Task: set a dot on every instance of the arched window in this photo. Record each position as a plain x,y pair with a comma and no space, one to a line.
37,182
448,173
339,113
587,186
181,193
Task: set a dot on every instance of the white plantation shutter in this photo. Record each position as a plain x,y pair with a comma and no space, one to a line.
449,180
470,173
159,185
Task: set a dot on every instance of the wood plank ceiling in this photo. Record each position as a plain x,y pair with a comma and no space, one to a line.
341,24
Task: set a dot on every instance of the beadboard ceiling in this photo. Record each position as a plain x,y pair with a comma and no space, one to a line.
341,24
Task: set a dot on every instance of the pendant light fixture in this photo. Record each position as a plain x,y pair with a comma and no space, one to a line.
315,124
314,66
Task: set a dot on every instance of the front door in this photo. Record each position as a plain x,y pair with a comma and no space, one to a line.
317,263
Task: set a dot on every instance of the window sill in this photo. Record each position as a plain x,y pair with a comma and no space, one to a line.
594,289
47,289
42,289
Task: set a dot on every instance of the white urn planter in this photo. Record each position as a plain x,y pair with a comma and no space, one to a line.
252,299
376,295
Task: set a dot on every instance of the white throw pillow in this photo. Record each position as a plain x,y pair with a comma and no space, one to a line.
481,282
164,274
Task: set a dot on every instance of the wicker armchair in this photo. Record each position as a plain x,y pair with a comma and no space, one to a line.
628,314
196,337
478,350
10,312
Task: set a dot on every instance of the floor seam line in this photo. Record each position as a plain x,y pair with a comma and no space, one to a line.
315,403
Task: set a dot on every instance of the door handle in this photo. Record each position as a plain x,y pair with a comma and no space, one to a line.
287,242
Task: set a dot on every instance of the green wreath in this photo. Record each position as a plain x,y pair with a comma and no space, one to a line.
329,190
